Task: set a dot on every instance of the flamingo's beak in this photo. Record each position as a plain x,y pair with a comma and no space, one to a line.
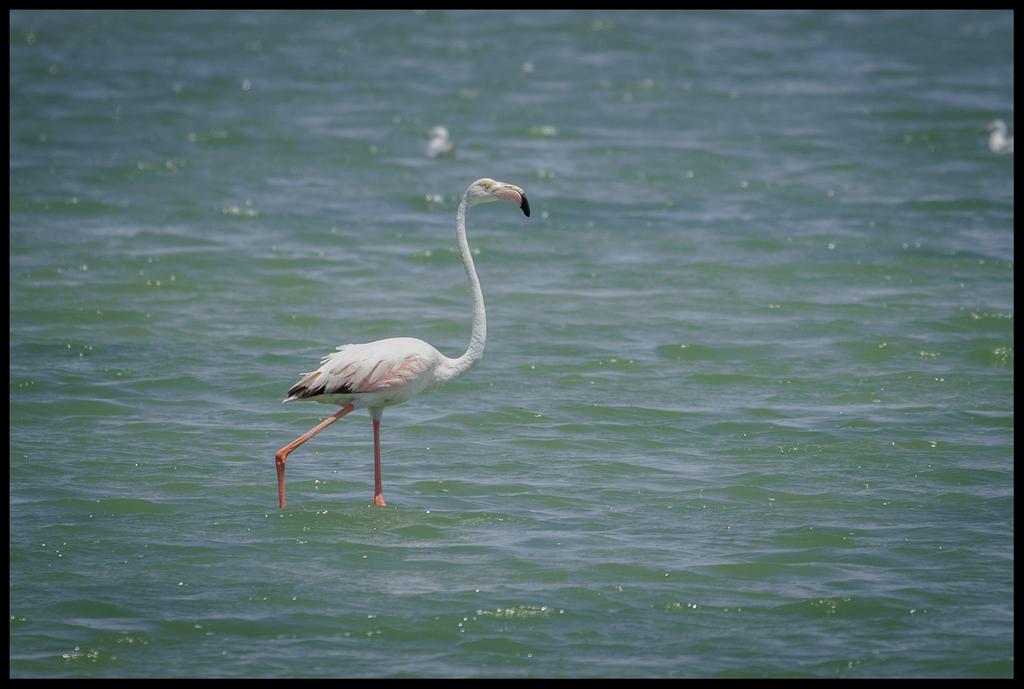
513,194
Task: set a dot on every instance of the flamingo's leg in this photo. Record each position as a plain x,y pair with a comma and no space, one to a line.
378,492
282,454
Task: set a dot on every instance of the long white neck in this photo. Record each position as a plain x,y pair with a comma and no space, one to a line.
453,368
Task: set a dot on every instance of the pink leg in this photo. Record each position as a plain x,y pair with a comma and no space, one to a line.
378,493
282,454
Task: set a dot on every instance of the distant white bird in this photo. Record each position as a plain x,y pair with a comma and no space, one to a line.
998,142
386,372
440,143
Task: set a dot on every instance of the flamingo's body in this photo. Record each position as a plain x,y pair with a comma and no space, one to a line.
375,374
383,373
998,142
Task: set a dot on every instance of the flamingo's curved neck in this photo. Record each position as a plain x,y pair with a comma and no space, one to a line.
478,337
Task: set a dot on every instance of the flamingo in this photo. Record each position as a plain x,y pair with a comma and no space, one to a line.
998,142
386,372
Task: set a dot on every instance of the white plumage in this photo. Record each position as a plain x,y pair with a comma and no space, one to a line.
440,143
376,374
998,142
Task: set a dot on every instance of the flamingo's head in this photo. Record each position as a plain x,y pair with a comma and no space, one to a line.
486,190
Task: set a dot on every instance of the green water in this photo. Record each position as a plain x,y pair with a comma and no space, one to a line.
747,402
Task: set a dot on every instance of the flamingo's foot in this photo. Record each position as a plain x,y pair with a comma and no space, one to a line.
379,500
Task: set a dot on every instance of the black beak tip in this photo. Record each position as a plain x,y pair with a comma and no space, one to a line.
525,205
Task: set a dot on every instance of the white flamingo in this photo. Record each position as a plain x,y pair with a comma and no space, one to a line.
998,142
387,372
